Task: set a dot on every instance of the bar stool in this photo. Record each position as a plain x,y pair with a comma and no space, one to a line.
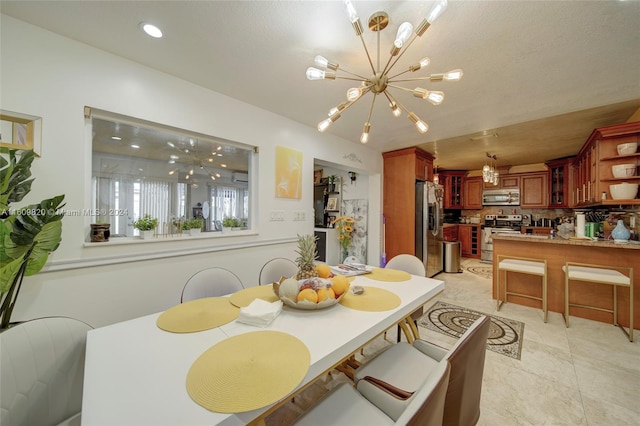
523,265
602,274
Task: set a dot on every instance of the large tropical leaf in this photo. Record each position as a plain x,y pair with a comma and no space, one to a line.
47,241
8,273
14,177
30,220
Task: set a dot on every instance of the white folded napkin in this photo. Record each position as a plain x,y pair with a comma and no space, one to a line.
260,312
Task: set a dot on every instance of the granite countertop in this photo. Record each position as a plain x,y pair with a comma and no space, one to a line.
532,238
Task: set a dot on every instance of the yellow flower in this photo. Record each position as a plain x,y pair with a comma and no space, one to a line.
348,229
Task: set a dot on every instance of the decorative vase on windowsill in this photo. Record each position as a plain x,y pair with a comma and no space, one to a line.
620,233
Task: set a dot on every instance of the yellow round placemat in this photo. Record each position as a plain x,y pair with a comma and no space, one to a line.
198,315
248,371
390,275
244,297
373,299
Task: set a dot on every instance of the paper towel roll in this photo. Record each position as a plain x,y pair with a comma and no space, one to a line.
580,225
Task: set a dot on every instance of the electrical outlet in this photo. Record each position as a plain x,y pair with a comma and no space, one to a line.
277,216
298,216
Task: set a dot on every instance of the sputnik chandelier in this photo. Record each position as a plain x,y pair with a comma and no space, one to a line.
381,80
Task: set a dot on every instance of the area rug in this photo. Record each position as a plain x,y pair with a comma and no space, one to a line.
482,271
505,335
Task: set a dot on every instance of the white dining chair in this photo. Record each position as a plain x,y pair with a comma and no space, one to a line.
275,269
211,282
414,266
406,366
42,372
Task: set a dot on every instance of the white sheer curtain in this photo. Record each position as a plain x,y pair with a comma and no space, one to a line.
229,201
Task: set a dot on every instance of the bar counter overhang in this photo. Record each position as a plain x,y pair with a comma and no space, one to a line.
557,251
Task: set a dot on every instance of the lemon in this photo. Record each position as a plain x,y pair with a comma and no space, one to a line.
325,293
339,284
323,270
308,294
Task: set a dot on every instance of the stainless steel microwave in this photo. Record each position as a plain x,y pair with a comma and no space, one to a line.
501,197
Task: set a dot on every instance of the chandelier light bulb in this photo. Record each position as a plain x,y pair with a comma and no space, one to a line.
323,62
395,110
453,75
324,124
420,125
404,31
354,93
421,64
317,74
351,11
436,11
485,169
435,97
364,138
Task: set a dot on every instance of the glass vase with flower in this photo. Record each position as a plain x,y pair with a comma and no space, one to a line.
345,226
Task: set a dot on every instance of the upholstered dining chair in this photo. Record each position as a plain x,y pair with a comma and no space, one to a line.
211,282
407,366
346,405
42,372
414,266
275,269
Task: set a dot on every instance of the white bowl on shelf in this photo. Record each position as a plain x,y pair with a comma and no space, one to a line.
627,148
623,191
624,170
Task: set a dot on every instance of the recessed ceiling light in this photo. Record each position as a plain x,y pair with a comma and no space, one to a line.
151,29
135,146
116,138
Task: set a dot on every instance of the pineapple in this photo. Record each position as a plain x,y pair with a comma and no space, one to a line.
308,255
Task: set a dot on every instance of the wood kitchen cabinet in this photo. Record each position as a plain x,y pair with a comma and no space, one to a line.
473,187
450,233
591,170
505,181
402,168
559,179
469,237
533,190
453,184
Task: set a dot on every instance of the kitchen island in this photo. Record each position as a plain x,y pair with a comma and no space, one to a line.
559,250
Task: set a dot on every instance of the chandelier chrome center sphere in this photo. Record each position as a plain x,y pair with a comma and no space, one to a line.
381,81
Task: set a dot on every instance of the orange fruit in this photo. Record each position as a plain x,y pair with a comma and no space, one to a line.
339,284
308,294
323,270
325,293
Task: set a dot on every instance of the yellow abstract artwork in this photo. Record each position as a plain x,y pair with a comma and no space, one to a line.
288,173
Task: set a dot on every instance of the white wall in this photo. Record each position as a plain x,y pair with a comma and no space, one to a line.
49,76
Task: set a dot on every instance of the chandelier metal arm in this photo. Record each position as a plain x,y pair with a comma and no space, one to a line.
404,49
430,78
373,69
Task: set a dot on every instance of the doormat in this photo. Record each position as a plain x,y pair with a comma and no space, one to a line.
505,335
483,271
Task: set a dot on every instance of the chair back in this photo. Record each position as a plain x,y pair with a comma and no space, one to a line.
42,371
275,269
427,404
462,405
407,263
211,282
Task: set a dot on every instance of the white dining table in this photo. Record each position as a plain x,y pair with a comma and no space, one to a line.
135,373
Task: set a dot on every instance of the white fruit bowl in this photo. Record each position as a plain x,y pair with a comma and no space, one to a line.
627,148
623,191
624,170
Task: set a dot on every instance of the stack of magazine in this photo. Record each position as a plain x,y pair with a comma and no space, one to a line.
350,269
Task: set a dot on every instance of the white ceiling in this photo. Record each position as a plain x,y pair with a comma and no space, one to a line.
523,62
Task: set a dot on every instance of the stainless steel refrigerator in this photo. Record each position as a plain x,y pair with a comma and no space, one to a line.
429,219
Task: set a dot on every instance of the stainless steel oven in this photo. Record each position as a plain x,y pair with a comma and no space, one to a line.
497,224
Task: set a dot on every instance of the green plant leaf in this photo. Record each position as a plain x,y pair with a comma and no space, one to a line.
31,219
47,240
14,177
8,273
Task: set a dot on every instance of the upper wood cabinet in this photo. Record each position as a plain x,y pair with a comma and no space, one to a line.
533,190
505,181
559,178
402,169
592,170
453,184
473,187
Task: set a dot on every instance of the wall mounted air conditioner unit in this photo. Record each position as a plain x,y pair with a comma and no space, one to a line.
240,177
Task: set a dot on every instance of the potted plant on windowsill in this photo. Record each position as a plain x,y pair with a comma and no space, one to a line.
27,235
193,226
146,225
228,223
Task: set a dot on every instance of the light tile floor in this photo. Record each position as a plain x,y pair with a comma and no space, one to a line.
588,374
